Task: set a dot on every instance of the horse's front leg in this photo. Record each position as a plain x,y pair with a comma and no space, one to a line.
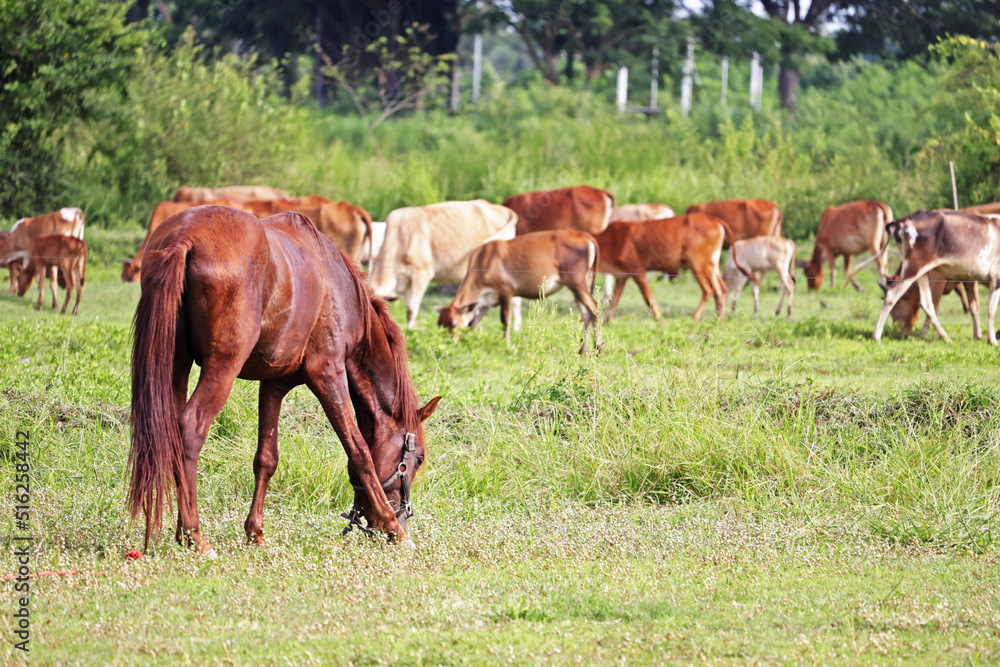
330,387
266,460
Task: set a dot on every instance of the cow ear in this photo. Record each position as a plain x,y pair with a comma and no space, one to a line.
468,308
429,409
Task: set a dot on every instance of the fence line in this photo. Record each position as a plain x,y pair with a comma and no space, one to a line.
685,274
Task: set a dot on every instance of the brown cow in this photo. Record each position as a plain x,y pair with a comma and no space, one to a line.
527,266
16,247
52,254
583,207
132,267
847,230
746,217
630,249
959,246
238,192
907,309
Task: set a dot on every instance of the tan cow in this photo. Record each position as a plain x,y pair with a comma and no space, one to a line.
959,246
983,209
529,266
132,267
583,207
848,230
51,255
239,192
760,255
640,212
630,249
15,249
425,244
746,217
347,225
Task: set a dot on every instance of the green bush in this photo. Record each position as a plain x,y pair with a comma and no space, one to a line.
62,61
189,121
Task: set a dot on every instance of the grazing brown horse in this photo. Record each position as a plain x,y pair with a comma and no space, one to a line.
270,300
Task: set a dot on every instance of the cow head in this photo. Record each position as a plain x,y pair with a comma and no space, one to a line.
452,317
25,276
130,271
814,273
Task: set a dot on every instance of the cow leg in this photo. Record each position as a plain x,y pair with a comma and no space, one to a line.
588,312
647,294
516,310
755,288
894,294
962,291
619,288
991,309
720,292
707,290
79,288
53,285
848,260
609,287
419,280
70,284
265,462
833,271
505,315
977,329
927,303
741,281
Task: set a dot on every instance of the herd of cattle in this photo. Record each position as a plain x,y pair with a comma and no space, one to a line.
538,242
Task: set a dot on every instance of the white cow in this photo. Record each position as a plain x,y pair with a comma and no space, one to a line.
425,244
759,255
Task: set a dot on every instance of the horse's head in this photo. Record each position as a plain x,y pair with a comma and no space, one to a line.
398,452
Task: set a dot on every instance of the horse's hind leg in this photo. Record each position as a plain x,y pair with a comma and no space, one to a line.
266,460
205,404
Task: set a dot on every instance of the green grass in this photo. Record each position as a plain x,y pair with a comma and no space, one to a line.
756,490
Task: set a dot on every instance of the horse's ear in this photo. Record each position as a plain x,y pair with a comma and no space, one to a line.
429,409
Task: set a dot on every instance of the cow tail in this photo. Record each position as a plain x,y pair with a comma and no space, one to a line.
366,218
157,453
732,248
777,223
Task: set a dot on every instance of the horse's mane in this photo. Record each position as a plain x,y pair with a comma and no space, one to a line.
406,405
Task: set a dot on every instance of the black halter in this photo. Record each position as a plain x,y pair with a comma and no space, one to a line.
405,509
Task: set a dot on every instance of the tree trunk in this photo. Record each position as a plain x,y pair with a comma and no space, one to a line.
788,86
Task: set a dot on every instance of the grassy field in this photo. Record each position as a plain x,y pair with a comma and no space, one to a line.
758,490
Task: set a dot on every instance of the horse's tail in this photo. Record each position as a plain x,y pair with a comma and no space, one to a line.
156,457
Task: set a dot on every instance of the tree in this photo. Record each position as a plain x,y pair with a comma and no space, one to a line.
62,61
599,32
906,28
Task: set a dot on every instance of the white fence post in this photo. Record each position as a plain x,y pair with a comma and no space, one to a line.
756,82
653,86
477,67
725,79
687,81
622,97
